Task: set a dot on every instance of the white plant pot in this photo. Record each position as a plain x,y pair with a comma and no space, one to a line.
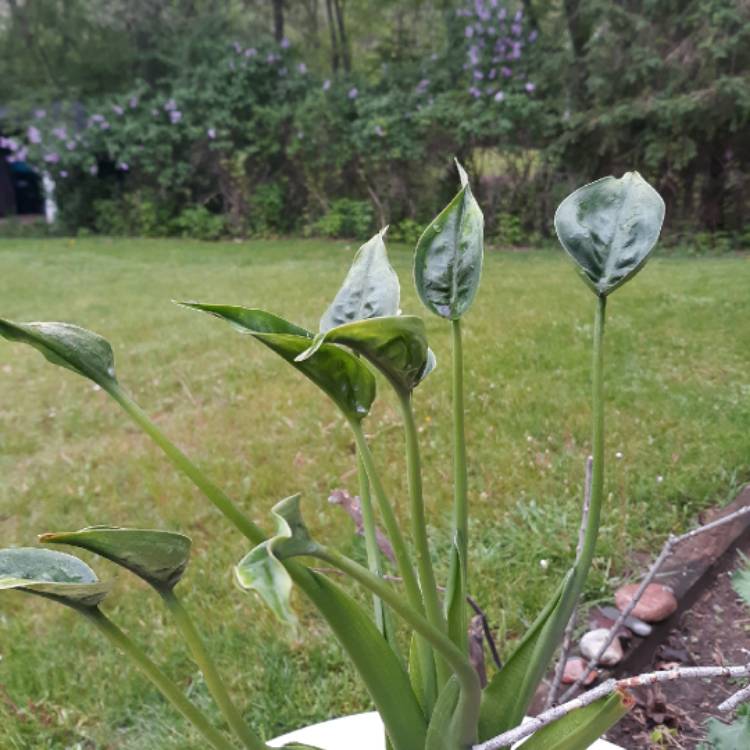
363,732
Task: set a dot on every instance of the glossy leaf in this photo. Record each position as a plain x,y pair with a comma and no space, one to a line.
261,569
69,346
159,557
509,693
396,345
441,732
51,574
609,228
579,729
370,289
337,372
448,258
455,602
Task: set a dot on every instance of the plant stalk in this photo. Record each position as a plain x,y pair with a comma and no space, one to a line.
419,528
458,625
168,689
213,680
471,691
597,449
406,571
222,502
371,540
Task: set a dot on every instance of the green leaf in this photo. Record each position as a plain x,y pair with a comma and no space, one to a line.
50,574
509,693
448,258
341,375
261,569
69,346
454,602
734,736
442,733
159,557
370,289
741,584
579,729
609,228
374,660
396,345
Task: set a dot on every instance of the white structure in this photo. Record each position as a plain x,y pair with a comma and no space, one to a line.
360,731
50,205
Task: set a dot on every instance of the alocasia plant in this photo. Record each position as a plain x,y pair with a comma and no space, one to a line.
431,700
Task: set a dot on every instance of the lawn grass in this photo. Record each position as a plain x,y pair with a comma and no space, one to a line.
678,439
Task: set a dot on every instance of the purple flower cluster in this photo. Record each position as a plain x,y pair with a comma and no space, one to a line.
495,40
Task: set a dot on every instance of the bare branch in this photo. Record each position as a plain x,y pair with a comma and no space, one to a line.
607,688
741,696
666,551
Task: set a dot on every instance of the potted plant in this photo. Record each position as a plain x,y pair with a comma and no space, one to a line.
428,696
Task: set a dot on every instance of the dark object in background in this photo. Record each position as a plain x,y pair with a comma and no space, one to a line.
28,188
7,192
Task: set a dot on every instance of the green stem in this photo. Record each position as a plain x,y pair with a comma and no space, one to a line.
419,528
597,448
213,680
168,689
403,561
471,692
458,620
222,502
371,539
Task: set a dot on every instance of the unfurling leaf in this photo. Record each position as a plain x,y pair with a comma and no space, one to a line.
69,346
50,574
448,258
442,733
262,570
396,345
609,228
159,557
579,729
337,372
370,289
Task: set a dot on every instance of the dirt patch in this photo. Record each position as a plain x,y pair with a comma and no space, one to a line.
714,631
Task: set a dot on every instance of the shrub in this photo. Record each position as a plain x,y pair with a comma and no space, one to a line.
346,218
199,223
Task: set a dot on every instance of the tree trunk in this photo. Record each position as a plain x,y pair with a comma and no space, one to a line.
343,42
334,38
278,20
579,36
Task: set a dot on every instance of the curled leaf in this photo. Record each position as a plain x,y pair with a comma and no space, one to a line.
50,574
396,345
159,557
341,375
448,257
370,289
261,569
67,345
609,228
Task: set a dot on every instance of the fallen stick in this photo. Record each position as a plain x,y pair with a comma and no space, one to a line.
506,739
741,696
666,551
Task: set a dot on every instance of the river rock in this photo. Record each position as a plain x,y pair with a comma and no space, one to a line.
592,642
639,627
574,669
657,603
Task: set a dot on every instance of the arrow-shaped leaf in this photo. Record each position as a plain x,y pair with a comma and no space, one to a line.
54,575
67,345
448,258
396,345
337,372
261,569
370,289
609,228
159,557
579,729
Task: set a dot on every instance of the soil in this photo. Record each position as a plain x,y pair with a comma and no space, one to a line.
714,631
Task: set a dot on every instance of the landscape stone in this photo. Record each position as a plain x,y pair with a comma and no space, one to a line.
592,642
657,603
574,669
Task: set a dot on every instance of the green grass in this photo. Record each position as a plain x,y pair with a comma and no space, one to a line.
678,411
